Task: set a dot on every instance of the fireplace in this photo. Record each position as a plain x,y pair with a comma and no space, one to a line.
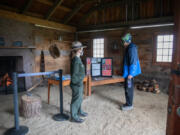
8,65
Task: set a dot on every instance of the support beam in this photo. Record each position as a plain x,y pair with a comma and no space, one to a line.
100,7
120,25
49,3
26,6
161,14
173,115
3,7
72,13
37,21
132,10
53,9
75,10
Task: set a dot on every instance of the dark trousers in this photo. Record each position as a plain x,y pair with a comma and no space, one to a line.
129,91
77,98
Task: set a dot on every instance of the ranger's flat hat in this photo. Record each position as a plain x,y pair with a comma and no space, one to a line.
77,45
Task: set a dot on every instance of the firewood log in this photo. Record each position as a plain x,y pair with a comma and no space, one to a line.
144,88
150,89
154,81
30,106
156,91
156,86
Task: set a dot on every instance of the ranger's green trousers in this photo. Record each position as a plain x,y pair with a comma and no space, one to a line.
77,97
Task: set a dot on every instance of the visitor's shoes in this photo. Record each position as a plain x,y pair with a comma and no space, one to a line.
77,120
125,105
83,114
126,108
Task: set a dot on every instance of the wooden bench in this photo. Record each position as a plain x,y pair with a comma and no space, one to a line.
65,83
103,81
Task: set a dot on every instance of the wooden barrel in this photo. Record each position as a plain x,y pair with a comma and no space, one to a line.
30,105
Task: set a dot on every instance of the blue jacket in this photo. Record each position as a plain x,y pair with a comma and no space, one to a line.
131,62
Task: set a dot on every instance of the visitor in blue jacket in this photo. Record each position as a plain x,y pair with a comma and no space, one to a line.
131,68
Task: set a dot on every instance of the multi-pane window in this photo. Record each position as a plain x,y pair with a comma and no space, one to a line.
98,47
164,48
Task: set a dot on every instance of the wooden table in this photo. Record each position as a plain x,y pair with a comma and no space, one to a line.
103,81
65,83
88,83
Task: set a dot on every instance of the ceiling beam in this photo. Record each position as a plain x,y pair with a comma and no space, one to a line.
115,26
53,9
61,7
26,6
37,21
72,13
4,7
50,3
100,7
75,11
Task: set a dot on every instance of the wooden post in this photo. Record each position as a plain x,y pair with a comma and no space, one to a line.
85,87
173,121
49,86
89,85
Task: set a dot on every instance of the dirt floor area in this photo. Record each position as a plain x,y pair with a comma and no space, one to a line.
103,107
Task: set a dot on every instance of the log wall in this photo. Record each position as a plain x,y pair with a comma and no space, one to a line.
145,41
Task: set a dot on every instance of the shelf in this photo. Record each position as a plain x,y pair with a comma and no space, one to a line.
13,47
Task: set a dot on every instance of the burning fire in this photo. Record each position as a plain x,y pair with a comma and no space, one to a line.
6,80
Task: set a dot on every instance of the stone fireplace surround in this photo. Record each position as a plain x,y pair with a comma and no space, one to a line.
28,60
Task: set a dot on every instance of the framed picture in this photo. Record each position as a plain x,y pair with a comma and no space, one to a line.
99,67
88,66
107,67
95,67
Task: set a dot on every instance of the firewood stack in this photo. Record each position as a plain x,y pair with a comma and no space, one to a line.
148,86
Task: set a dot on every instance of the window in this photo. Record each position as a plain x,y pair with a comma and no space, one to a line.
98,47
164,48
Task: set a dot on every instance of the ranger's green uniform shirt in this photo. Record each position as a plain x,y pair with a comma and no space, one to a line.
77,71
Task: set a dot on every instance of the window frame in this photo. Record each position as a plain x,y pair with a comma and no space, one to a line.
99,49
166,64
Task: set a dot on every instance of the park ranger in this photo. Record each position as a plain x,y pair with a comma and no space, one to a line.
77,76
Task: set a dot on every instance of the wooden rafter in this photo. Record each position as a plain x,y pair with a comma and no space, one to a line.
49,3
53,9
100,7
113,26
4,7
72,13
26,6
75,10
61,7
37,21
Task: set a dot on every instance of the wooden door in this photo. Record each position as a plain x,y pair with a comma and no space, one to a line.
173,120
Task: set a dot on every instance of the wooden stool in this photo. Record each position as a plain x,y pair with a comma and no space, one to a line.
30,105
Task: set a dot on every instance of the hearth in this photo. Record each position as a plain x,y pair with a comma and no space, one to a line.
8,65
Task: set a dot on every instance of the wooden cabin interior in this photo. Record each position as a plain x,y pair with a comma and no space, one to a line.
36,36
